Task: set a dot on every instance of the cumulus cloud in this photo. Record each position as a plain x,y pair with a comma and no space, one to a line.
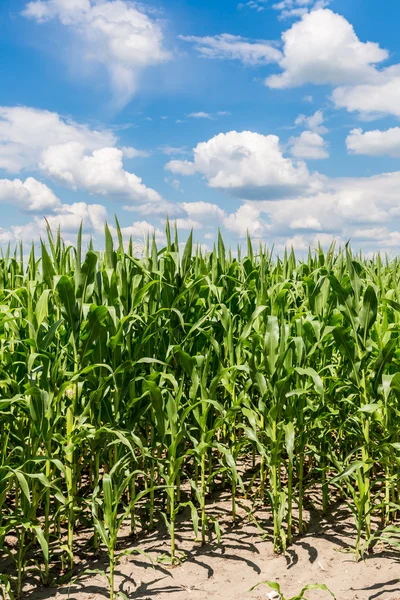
100,173
25,132
139,230
373,99
69,153
246,220
308,145
207,215
374,143
29,195
310,223
206,212
183,223
323,48
115,33
345,205
314,123
248,165
235,47
301,243
67,217
181,167
153,209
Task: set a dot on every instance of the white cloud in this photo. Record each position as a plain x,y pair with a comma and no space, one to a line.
115,33
248,165
287,8
205,215
313,123
130,152
181,167
378,238
246,220
323,48
30,195
374,143
257,5
235,47
188,224
210,116
176,184
373,99
161,208
206,212
298,8
173,151
138,230
68,217
309,223
373,234
308,145
100,172
302,243
201,115
72,154
25,132
342,207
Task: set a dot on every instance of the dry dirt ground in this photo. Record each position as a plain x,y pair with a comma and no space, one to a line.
228,570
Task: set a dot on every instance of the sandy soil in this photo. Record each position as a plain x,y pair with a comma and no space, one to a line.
228,571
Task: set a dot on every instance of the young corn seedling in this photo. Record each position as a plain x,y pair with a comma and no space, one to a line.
279,595
109,513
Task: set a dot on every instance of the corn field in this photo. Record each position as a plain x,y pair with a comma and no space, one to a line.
134,387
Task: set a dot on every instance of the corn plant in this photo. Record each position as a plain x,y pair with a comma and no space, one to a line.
275,586
135,385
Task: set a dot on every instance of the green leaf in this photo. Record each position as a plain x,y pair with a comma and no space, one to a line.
108,501
23,484
48,271
369,408
67,296
109,253
313,586
187,254
319,386
42,307
221,251
272,584
369,310
42,541
355,466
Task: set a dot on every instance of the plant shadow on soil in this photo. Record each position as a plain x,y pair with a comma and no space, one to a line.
323,554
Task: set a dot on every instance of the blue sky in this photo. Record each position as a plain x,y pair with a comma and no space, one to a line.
277,117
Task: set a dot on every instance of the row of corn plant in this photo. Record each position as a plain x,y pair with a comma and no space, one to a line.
139,382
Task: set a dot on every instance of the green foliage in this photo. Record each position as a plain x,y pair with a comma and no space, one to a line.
127,380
